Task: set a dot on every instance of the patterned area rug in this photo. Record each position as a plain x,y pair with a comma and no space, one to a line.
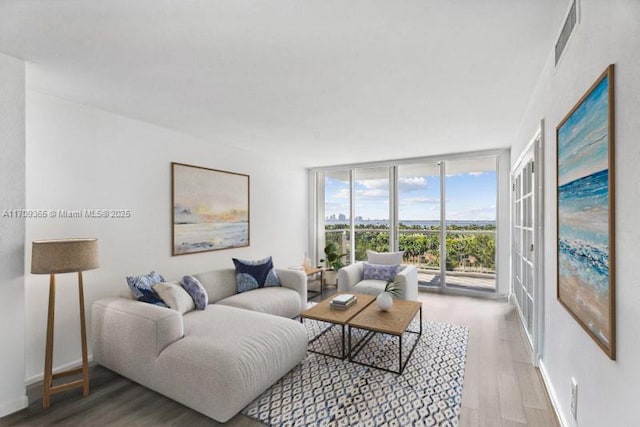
325,391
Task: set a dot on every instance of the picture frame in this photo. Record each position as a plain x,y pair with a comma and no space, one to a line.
209,209
586,212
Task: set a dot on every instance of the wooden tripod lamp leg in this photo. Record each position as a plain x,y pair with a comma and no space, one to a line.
48,358
49,376
83,333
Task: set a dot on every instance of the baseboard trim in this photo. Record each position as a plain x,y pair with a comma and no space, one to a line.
34,384
38,378
10,406
552,394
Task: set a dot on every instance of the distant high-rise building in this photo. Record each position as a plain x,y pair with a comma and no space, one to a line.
342,217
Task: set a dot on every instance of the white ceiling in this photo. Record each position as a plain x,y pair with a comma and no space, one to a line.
321,81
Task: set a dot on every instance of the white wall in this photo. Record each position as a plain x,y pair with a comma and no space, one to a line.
12,185
83,158
608,32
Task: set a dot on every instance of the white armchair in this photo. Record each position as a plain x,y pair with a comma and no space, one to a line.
350,280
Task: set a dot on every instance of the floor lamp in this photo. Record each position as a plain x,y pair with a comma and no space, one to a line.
64,256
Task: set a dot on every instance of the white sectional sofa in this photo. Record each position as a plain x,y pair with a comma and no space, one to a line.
215,361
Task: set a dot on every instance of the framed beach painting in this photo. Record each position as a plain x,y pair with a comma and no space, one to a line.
210,209
586,280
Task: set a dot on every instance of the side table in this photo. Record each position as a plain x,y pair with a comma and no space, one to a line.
311,271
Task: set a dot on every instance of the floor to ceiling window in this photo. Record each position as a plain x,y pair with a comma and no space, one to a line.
337,211
419,209
470,223
441,212
372,218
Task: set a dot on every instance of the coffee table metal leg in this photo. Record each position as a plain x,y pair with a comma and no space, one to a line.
400,354
343,355
354,351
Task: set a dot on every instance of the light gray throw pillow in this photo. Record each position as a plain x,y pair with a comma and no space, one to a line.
175,296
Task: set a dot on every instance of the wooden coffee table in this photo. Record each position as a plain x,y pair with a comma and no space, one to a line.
324,313
392,322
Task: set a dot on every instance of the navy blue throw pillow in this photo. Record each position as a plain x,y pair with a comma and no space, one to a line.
255,274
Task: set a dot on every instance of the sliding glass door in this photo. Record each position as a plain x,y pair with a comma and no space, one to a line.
337,211
418,230
470,225
371,201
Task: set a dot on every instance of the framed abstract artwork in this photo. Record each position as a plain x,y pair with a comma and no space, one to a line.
210,209
586,238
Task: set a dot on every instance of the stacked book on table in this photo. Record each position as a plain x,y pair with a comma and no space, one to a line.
343,301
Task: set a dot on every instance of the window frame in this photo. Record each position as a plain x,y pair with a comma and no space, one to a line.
317,194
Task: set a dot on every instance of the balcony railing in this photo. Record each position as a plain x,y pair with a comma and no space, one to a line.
470,253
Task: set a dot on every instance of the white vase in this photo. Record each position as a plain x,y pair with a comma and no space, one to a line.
384,301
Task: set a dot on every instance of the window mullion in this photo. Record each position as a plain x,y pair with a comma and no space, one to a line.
443,232
393,208
352,210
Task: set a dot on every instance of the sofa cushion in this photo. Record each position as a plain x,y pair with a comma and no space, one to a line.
197,291
280,301
142,288
219,284
227,358
252,275
379,272
175,296
385,258
370,287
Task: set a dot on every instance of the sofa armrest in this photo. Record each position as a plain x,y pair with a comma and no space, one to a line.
349,276
408,280
296,280
128,335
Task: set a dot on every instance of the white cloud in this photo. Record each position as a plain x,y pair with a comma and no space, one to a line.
373,194
466,174
366,194
413,183
373,184
343,193
410,201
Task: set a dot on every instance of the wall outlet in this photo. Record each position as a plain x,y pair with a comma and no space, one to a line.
574,399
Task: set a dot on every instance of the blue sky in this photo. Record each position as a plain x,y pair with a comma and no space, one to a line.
470,196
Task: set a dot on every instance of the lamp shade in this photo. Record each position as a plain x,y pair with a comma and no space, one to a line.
64,256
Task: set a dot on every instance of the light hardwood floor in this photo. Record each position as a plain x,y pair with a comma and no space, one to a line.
501,388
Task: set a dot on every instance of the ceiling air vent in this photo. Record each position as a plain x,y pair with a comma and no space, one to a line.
567,29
